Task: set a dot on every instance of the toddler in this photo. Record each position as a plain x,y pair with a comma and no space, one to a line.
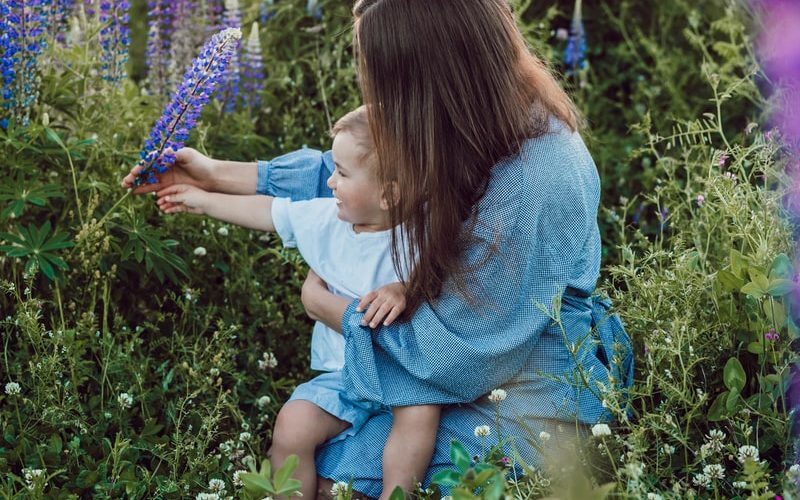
346,241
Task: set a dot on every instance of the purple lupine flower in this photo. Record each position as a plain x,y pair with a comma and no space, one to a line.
160,18
211,12
229,86
252,70
313,9
575,53
23,29
181,113
114,38
59,13
266,11
184,40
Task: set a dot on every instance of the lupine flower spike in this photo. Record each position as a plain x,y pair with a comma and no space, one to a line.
229,86
575,53
184,38
252,70
183,111
23,29
160,17
114,38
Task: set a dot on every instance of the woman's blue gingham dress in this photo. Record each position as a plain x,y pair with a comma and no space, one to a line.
541,208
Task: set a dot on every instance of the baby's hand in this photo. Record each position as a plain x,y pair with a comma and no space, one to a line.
385,305
183,198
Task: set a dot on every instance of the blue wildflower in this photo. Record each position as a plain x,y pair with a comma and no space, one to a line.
160,17
575,53
314,9
252,70
229,87
114,38
23,30
182,112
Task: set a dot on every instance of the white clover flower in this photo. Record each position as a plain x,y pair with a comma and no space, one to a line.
216,485
222,231
716,434
244,437
701,480
32,474
482,431
668,449
200,251
249,461
207,496
268,360
634,470
13,388
601,430
339,488
497,395
747,451
544,436
740,484
125,400
794,472
237,478
262,402
714,471
654,496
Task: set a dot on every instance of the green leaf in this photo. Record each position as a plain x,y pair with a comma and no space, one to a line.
266,468
494,491
755,347
47,269
290,486
54,137
738,263
758,278
602,492
781,268
256,484
461,494
717,410
447,477
729,281
733,375
459,456
780,287
733,398
397,494
753,290
775,312
283,473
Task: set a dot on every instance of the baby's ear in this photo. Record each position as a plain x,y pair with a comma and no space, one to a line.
394,192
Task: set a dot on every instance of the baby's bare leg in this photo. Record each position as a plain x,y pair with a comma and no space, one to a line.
300,428
410,446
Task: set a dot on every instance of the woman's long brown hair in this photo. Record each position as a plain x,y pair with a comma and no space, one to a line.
451,89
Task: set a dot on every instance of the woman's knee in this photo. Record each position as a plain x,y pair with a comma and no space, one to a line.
292,427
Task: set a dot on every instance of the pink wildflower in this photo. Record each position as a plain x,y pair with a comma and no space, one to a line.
700,200
723,158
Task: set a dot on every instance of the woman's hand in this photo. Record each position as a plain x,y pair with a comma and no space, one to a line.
183,198
321,304
191,167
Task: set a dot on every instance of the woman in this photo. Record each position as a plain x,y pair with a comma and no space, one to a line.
498,200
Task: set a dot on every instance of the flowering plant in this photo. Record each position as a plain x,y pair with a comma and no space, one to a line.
181,114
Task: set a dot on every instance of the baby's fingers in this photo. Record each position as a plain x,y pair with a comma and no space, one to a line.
365,301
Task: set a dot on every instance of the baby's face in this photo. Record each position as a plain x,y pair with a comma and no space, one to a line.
357,192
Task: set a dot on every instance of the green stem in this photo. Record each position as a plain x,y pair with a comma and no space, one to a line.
111,210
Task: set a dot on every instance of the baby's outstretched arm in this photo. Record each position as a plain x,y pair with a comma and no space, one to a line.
385,304
251,211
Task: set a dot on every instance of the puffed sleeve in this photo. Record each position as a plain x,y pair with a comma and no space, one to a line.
299,175
456,349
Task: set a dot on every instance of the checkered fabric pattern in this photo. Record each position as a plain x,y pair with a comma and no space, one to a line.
541,210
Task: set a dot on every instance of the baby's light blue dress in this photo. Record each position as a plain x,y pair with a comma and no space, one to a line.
541,209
